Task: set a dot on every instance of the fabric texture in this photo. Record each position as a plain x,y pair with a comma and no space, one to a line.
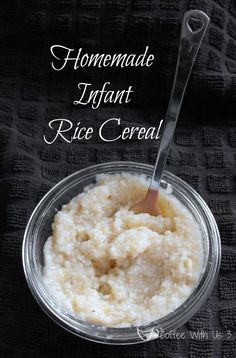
203,152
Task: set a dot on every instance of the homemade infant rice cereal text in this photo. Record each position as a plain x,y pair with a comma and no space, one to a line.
107,265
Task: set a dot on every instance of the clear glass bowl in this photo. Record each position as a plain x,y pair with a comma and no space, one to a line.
39,228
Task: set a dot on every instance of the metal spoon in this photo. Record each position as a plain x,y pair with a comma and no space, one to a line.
193,29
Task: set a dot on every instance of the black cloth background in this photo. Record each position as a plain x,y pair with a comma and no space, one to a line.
203,151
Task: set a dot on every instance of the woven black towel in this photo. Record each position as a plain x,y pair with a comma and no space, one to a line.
203,151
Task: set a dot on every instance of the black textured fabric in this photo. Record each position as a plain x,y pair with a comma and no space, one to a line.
203,151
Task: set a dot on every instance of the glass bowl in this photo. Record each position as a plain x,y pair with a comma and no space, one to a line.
39,228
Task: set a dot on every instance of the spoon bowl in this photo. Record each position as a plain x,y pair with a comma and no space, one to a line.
150,204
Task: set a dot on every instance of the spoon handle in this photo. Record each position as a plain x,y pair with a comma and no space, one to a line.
190,41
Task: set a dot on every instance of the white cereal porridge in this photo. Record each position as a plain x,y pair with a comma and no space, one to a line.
107,265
